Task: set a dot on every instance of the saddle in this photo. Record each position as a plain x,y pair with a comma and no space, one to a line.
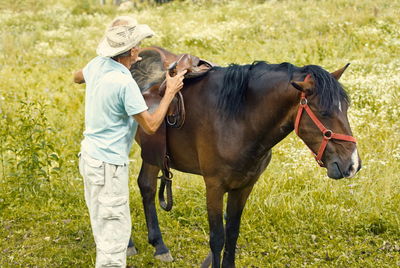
149,73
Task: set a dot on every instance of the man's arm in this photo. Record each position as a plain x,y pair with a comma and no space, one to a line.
78,77
150,122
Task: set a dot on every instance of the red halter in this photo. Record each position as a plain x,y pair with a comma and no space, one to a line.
327,133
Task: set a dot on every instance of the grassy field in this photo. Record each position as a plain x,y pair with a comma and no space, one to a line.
295,217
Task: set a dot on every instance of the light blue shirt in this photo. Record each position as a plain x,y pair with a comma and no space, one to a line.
112,97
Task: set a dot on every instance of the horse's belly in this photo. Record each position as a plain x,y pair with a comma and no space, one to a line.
182,153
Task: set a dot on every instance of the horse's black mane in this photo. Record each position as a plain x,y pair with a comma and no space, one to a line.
231,96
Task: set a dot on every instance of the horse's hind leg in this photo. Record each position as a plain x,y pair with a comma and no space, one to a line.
215,195
148,187
131,248
235,205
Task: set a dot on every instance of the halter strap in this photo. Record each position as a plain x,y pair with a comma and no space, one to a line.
327,133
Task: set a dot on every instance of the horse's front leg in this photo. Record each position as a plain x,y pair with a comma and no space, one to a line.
148,187
215,195
234,208
235,205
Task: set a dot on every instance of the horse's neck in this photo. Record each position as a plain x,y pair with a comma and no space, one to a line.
268,120
274,115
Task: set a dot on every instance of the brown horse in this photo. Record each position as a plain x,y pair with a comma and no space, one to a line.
234,116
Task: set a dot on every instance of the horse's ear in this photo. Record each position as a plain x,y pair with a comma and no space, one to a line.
337,74
305,86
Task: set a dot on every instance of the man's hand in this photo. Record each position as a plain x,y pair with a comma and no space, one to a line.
150,122
78,77
174,84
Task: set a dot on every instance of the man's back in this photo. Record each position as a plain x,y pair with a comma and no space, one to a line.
111,97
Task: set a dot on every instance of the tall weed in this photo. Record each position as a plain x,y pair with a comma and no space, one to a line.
29,154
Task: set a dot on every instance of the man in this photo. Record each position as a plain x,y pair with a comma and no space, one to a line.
114,107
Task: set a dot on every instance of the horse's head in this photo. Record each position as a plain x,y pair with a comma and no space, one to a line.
321,122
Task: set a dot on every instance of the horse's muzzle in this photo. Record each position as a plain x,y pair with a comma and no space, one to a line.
338,170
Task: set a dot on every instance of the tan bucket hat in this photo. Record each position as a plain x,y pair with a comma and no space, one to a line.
123,34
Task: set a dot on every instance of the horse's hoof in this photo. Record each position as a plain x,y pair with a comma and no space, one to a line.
131,251
166,257
207,261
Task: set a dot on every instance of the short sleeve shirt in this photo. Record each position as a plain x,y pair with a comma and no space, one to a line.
112,97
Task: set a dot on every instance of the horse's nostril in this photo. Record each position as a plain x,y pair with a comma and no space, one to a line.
353,169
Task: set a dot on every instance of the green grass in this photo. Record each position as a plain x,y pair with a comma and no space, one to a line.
295,216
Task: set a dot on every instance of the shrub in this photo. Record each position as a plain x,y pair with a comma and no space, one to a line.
28,151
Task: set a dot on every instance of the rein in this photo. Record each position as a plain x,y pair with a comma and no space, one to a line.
327,133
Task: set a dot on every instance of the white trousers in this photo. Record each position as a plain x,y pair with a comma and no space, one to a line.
107,198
